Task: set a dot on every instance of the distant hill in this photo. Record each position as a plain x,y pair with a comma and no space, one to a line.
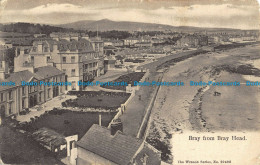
30,28
108,25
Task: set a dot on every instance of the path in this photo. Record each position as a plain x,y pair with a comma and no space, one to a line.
47,106
135,111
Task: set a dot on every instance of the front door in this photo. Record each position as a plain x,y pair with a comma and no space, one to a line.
35,100
2,112
31,102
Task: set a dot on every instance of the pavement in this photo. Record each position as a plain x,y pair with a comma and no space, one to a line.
47,106
135,111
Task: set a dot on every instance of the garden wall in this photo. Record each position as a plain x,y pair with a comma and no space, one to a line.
123,108
142,132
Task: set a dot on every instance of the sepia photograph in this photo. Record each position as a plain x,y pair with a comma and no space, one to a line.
129,82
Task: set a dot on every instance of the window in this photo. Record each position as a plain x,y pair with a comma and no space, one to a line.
48,58
18,51
23,90
10,95
45,49
49,93
23,103
73,59
2,97
32,59
86,66
40,97
73,85
64,59
34,49
30,89
10,108
73,72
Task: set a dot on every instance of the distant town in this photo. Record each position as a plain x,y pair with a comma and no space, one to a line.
84,124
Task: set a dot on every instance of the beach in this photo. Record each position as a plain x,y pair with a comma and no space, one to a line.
197,108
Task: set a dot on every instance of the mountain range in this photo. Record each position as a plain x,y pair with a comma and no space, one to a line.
108,25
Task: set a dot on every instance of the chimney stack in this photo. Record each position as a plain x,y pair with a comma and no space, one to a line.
99,119
2,70
116,125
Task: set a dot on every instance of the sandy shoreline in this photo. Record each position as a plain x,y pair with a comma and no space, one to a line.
180,109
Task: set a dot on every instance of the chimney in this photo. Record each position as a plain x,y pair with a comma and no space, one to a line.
40,45
116,125
2,70
2,74
55,47
99,119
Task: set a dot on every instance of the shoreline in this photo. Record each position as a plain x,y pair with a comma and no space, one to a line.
180,109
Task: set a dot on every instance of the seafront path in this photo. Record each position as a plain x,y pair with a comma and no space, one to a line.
133,117
134,114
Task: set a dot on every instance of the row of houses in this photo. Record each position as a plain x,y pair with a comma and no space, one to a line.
192,41
144,41
16,97
79,57
61,58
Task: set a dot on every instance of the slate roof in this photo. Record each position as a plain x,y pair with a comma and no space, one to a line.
119,148
47,71
25,75
65,45
81,44
17,77
49,137
154,156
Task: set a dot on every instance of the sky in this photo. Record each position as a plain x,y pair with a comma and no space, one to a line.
239,14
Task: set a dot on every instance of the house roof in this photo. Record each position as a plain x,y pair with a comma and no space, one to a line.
81,44
153,155
26,75
65,45
47,71
49,137
18,77
119,148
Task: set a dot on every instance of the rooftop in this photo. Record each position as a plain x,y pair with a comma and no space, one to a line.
47,71
119,148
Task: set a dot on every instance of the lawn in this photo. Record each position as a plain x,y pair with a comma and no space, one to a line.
102,101
70,122
16,148
98,99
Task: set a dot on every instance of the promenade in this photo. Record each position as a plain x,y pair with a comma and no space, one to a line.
135,111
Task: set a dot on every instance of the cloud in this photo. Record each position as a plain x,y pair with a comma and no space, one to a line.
215,15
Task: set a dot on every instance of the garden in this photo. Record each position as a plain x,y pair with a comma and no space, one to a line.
16,147
128,78
66,122
96,100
